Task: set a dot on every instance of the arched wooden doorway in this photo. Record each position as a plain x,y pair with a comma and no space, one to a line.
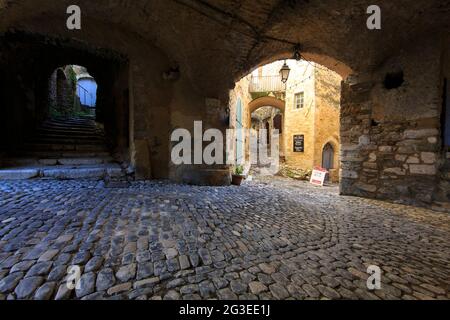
328,157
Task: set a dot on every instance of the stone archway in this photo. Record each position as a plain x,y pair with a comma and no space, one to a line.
61,89
275,103
205,74
266,101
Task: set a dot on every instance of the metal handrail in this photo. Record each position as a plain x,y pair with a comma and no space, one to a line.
85,91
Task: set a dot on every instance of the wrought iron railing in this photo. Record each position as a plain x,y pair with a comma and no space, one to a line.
266,84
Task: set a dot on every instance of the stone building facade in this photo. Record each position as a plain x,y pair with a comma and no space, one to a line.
62,96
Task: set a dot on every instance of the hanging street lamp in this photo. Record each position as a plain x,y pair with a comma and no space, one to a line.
284,72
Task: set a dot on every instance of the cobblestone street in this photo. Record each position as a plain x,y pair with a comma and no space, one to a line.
265,240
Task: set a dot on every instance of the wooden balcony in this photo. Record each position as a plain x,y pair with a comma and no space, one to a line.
266,84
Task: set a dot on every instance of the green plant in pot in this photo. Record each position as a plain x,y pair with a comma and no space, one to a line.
238,176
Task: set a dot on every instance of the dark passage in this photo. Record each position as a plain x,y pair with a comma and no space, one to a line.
56,120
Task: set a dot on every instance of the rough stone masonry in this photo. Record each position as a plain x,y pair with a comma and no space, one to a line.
392,98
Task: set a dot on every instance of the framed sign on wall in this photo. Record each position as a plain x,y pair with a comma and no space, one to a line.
299,143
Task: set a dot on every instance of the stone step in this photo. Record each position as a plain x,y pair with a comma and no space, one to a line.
98,172
61,154
49,161
73,135
65,147
66,140
73,148
44,128
85,161
65,131
89,123
71,120
62,124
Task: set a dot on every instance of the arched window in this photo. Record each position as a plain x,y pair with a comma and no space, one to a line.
328,157
61,88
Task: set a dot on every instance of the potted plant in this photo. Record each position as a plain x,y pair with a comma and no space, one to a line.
238,176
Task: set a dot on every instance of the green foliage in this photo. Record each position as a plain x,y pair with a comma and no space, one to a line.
239,170
295,173
82,113
54,113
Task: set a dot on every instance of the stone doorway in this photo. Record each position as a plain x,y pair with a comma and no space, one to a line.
68,114
305,110
328,157
72,91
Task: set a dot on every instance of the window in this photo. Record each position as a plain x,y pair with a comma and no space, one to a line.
299,100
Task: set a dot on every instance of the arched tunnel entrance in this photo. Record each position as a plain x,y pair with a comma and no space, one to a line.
72,92
303,110
63,104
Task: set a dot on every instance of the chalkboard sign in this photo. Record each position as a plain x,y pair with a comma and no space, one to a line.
299,143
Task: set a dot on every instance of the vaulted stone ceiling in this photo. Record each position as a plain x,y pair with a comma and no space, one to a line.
216,41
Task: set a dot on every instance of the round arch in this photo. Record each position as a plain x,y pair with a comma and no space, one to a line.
334,143
62,87
266,102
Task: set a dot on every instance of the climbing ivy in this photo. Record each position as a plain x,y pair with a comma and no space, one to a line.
72,76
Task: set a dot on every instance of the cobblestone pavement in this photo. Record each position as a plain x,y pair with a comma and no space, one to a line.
268,240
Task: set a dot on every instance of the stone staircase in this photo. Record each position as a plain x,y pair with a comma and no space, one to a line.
63,148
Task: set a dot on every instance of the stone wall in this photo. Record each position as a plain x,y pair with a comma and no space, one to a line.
391,136
300,121
241,92
62,92
442,196
52,90
327,114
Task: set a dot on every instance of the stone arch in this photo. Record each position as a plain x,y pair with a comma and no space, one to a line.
210,71
266,101
331,63
61,88
333,142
